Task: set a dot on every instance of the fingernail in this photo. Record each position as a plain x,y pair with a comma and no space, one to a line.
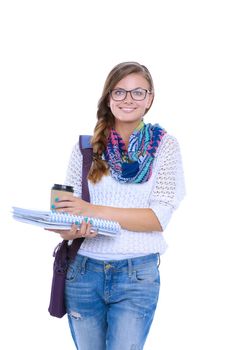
86,219
53,206
76,223
56,199
91,221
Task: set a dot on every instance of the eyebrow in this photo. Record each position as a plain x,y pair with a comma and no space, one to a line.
139,87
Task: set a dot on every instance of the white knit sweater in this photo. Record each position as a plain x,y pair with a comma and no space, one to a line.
162,193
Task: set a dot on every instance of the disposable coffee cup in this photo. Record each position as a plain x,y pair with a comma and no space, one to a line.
58,190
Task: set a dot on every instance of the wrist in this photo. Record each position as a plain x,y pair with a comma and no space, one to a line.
95,211
91,210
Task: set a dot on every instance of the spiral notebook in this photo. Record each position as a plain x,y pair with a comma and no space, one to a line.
63,221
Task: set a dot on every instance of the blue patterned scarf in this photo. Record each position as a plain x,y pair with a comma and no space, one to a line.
135,164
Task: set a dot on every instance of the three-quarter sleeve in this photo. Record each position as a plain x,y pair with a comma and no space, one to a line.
74,170
169,186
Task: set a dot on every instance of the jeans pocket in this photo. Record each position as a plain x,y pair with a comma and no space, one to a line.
73,271
147,274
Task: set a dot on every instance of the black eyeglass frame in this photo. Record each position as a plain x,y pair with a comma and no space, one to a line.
130,91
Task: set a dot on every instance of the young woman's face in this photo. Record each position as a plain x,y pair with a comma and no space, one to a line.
130,110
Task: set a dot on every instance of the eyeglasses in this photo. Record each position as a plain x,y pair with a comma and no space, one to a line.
137,94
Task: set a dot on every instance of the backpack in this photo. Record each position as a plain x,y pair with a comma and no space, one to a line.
64,253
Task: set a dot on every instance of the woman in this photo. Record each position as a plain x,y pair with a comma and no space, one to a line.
136,179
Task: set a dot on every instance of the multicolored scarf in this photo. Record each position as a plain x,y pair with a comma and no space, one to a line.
135,164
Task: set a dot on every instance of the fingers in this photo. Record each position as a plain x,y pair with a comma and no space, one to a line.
68,204
85,230
70,210
67,207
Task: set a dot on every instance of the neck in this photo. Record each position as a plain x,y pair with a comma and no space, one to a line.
126,130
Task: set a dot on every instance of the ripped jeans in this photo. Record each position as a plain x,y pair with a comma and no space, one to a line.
111,304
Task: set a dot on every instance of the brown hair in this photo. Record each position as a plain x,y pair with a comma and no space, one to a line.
105,118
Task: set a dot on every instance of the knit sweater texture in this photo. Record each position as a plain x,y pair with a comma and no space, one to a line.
162,193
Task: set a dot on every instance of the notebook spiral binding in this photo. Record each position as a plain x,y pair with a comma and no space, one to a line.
105,226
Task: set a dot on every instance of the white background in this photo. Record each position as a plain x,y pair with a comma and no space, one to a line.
55,56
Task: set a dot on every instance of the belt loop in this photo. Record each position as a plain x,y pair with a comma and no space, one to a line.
158,260
130,267
83,265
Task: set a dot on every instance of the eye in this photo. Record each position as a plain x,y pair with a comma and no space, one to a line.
118,92
138,92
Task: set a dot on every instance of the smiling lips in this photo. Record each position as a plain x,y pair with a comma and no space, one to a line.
127,109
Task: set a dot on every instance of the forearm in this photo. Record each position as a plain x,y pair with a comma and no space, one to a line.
132,219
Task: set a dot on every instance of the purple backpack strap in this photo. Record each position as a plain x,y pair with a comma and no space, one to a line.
86,150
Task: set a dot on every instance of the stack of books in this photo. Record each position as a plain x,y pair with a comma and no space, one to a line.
63,221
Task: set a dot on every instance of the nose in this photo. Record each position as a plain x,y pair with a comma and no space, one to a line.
128,97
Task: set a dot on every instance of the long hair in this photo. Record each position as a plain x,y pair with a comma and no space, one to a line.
105,118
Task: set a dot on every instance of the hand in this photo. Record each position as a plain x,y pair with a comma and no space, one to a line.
84,231
73,205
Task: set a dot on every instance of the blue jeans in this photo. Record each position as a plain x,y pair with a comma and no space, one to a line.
111,304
